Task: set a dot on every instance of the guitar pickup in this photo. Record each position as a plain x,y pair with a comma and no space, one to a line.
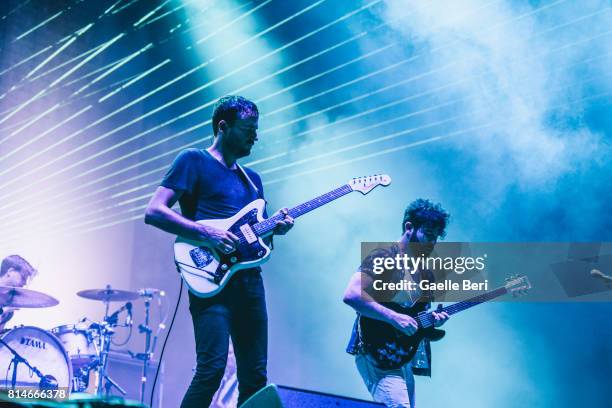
248,233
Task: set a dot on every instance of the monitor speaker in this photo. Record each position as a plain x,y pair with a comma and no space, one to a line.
274,396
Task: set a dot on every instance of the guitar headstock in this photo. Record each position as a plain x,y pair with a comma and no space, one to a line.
368,183
517,285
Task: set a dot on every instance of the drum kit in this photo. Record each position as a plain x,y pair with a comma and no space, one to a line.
72,357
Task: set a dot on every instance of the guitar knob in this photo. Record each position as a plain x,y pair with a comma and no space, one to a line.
260,253
224,267
233,259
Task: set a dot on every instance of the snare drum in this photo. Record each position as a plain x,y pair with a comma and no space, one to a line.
81,344
41,350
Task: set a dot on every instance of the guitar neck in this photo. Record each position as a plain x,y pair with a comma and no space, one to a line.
265,227
427,320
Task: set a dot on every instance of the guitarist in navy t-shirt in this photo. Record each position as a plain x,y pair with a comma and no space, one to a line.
208,184
423,223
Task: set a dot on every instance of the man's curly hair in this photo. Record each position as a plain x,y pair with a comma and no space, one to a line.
232,107
422,212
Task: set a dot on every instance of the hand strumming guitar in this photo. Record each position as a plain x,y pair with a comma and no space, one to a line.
404,323
221,240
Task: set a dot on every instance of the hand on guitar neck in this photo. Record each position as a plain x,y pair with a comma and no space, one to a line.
283,226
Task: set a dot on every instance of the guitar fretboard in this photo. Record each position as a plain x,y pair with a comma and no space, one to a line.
427,319
266,226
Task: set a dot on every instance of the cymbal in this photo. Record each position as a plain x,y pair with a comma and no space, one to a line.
108,295
25,298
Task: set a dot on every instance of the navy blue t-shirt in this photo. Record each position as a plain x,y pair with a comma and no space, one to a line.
210,190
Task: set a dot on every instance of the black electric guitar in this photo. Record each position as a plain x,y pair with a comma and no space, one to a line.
390,348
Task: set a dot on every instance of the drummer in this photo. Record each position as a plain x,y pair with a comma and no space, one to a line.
17,272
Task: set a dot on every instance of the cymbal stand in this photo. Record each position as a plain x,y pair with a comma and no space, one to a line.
106,333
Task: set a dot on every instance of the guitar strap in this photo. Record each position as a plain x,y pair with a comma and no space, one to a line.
246,176
259,195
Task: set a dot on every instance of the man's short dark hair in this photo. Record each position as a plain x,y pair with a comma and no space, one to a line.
19,264
422,212
232,107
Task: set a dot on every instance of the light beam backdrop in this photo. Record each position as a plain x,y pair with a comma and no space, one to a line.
499,109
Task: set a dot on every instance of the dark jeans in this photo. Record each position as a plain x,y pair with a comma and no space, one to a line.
240,311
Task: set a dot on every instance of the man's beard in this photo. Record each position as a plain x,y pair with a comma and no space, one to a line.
245,151
419,248
242,150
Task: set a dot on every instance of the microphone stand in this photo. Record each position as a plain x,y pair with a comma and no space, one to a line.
44,380
146,356
107,332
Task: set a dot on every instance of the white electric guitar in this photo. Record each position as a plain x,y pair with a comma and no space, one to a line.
206,270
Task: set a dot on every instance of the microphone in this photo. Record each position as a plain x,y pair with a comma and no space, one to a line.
128,318
48,382
596,273
112,319
150,292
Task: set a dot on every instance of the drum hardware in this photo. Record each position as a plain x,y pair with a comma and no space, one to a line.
81,343
107,295
113,318
83,348
106,330
147,295
40,352
26,298
47,382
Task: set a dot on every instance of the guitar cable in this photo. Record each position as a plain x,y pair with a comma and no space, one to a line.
161,354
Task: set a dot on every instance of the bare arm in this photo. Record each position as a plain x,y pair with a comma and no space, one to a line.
159,213
365,305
